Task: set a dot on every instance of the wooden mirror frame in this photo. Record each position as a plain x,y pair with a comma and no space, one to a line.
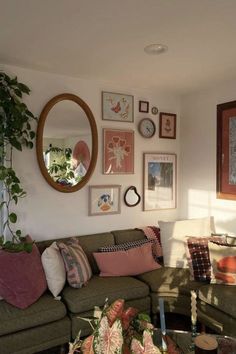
39,141
132,188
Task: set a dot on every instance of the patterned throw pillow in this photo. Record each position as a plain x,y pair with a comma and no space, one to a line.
129,245
76,262
173,235
197,253
223,261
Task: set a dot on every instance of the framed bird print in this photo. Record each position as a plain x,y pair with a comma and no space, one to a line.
117,107
104,199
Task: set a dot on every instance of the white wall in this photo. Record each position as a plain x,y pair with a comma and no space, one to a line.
46,213
198,157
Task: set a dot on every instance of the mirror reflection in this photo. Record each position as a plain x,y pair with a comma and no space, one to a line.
67,143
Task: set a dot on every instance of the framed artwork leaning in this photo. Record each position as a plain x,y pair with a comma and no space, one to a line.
159,181
104,199
118,151
226,150
117,107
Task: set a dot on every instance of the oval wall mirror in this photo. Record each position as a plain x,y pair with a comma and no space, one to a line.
67,142
131,197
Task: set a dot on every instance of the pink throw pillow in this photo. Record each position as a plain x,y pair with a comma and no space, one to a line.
126,263
22,279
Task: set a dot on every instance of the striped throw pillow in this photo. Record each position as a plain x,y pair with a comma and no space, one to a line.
78,269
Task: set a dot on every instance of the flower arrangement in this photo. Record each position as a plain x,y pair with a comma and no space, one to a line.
117,330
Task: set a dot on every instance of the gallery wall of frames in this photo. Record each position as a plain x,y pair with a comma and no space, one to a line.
135,179
159,168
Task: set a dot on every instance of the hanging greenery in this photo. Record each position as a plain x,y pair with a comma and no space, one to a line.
15,133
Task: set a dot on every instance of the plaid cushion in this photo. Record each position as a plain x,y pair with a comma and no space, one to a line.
128,245
124,246
198,257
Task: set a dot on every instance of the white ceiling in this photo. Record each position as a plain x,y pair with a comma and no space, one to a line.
104,40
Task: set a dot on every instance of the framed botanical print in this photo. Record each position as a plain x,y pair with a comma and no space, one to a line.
167,125
159,181
117,107
118,151
226,150
104,199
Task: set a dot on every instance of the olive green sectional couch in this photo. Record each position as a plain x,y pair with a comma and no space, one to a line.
50,322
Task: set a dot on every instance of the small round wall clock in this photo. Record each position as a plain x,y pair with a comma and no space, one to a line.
147,128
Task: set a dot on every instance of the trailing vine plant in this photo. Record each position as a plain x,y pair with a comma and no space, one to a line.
15,133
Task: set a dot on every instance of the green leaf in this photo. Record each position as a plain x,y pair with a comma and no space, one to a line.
29,113
13,218
18,233
30,145
24,88
28,247
2,203
15,143
15,198
32,134
18,93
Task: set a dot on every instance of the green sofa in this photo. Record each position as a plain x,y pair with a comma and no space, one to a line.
50,322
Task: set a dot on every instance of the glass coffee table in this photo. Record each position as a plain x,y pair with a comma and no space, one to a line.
183,339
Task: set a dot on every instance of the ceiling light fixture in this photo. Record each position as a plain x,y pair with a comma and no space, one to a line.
155,49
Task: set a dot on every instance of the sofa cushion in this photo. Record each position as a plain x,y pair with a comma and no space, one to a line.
78,270
22,279
219,296
198,257
89,243
54,269
45,310
37,339
223,262
125,246
173,303
214,318
167,281
122,236
133,261
98,289
173,238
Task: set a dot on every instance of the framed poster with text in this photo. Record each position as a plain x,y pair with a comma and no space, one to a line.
159,181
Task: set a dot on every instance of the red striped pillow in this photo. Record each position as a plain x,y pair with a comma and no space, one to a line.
78,269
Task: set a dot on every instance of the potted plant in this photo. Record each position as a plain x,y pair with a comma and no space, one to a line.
15,133
117,330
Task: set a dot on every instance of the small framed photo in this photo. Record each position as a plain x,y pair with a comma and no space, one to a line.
159,181
118,151
117,107
167,125
143,106
104,199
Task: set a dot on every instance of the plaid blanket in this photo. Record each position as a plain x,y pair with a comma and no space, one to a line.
153,233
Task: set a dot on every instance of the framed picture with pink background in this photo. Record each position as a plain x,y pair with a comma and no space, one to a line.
118,151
